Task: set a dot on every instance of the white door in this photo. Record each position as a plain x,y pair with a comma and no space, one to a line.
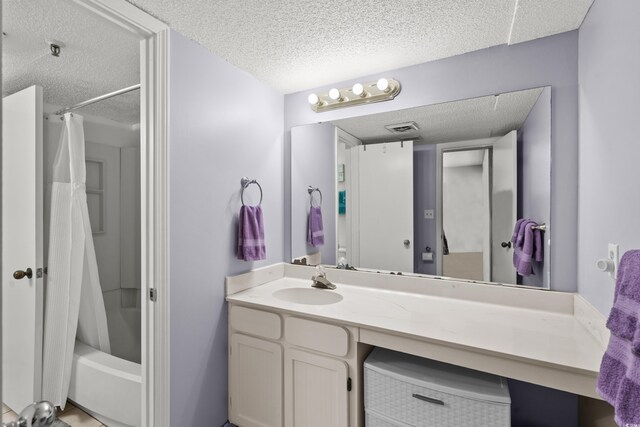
504,206
315,390
22,299
385,180
255,382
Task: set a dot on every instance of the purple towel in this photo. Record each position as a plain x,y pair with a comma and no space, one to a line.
527,244
537,235
521,232
251,234
522,254
516,230
619,377
623,319
315,233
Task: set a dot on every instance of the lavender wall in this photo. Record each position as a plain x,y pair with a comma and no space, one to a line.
313,148
424,197
609,150
534,138
551,61
223,124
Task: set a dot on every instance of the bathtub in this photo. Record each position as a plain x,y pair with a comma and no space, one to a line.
104,385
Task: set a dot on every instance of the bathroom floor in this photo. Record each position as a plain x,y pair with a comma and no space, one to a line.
71,415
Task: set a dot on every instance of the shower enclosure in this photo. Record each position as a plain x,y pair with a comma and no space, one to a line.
81,193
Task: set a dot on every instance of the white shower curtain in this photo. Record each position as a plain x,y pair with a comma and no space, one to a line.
73,301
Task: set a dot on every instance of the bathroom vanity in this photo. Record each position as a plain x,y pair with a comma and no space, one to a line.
296,352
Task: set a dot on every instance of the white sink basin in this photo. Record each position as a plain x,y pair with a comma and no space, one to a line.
309,296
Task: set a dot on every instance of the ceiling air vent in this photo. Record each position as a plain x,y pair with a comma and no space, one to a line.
402,127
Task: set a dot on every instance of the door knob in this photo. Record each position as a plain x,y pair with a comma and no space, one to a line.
21,274
407,242
505,244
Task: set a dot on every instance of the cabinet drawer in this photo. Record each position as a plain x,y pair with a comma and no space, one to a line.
421,406
421,392
255,322
329,339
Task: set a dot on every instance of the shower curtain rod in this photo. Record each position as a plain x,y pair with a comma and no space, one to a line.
98,99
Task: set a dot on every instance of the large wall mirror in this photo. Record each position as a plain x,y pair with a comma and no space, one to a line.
459,189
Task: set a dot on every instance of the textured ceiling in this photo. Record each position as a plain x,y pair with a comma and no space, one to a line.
97,58
474,118
291,45
300,44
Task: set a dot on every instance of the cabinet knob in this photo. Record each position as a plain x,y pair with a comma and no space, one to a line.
505,244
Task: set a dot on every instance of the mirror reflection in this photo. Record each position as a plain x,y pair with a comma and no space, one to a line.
440,190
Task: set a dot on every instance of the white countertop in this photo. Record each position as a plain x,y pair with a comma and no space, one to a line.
555,338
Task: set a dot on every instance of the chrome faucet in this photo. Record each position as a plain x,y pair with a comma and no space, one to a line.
320,280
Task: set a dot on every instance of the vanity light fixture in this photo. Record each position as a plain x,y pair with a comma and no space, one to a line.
383,85
313,99
381,90
335,95
358,90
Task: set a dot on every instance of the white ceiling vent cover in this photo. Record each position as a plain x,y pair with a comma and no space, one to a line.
402,127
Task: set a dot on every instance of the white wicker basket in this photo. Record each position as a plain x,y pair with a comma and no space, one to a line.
405,390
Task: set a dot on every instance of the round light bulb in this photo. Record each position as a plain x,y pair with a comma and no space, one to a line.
383,85
335,94
313,99
358,90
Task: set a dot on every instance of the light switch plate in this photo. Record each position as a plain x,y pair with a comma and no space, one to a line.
428,214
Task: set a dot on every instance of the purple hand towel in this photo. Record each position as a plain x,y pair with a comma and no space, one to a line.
623,319
522,254
619,382
251,234
537,234
521,232
516,230
315,232
619,377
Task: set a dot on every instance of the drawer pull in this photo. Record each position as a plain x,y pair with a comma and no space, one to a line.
428,399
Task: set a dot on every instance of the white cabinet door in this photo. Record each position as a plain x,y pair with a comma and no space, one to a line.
315,390
255,382
22,299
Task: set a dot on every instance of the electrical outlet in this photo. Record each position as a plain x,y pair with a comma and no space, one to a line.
428,214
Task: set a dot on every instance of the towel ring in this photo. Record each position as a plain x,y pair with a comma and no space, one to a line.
245,182
311,190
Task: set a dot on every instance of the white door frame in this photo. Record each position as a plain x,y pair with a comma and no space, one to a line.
351,189
154,85
440,149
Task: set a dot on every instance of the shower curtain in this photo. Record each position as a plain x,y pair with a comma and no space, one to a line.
74,306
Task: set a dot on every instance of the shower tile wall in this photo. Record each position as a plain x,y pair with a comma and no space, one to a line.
113,196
